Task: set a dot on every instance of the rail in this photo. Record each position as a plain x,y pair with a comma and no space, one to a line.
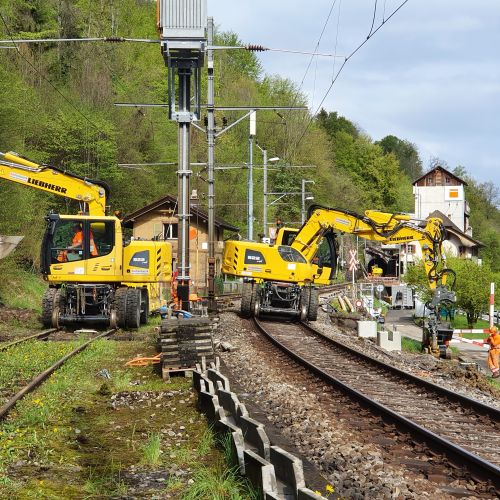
5,409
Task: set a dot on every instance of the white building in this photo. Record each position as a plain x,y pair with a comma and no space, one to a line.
439,193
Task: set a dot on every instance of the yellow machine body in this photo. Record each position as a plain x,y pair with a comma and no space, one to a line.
306,256
93,275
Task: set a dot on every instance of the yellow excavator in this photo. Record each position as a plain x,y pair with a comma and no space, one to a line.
280,278
93,275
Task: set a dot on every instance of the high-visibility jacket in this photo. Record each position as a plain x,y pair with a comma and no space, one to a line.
494,340
78,241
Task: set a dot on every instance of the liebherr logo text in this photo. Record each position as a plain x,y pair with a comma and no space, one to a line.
401,238
47,185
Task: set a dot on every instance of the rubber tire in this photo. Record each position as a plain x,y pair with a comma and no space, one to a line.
120,306
312,311
133,315
48,304
248,299
144,306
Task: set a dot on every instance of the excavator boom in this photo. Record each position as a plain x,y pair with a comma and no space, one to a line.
384,227
92,194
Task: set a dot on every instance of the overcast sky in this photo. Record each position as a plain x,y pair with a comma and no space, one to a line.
430,75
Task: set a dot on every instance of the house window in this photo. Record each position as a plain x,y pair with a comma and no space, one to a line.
430,181
410,249
170,231
447,180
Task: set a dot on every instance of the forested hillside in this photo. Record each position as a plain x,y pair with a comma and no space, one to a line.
57,106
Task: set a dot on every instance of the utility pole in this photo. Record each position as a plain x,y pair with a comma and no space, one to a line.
264,208
304,198
264,164
210,169
183,38
253,130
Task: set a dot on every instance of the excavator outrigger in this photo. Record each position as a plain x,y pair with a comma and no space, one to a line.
100,279
281,277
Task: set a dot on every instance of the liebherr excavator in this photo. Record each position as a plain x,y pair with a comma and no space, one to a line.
281,278
93,277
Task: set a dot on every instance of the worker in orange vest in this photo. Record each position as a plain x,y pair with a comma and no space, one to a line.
494,352
77,243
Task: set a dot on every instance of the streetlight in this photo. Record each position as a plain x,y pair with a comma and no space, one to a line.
304,198
265,160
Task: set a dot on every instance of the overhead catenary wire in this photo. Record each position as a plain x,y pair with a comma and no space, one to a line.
373,19
347,59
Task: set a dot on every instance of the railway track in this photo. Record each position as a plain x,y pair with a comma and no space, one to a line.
36,336
465,431
41,377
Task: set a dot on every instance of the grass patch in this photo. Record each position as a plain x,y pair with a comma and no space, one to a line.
151,451
411,345
494,382
23,362
20,288
460,322
218,484
139,438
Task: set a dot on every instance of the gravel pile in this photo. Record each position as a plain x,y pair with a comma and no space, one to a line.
356,469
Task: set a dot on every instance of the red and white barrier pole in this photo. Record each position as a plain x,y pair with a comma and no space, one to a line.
492,305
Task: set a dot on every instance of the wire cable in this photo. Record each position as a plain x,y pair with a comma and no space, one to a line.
46,79
342,67
373,20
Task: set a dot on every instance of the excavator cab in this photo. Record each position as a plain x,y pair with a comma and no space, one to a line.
325,259
76,245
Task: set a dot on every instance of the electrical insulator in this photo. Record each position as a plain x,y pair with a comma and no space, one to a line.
256,48
224,122
205,120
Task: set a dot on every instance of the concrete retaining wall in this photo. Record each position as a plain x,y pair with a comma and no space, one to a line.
272,471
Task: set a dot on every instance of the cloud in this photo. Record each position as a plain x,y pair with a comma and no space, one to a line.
430,75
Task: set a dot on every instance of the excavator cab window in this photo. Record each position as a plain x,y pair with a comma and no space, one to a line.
102,238
69,240
326,256
289,254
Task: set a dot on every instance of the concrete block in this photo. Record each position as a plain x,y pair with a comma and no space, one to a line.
255,436
228,401
288,468
367,329
237,450
241,410
224,427
390,341
307,494
215,377
259,472
209,405
272,496
198,376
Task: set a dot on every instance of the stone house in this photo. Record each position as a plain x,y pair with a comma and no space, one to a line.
158,220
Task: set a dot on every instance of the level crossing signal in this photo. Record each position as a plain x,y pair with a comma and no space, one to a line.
353,261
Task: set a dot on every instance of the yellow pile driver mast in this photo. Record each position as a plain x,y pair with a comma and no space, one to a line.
280,278
93,276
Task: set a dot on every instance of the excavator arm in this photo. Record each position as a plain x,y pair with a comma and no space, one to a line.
92,195
389,229
384,227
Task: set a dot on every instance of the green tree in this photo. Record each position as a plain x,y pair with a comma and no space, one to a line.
405,152
472,285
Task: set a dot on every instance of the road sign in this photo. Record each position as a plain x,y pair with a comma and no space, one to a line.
353,261
359,303
380,288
